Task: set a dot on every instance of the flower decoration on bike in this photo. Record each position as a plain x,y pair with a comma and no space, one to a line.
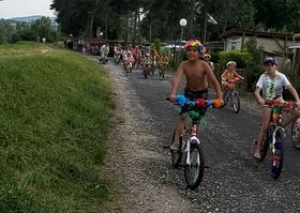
182,100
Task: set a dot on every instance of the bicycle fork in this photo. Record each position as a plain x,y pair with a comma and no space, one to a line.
188,146
275,150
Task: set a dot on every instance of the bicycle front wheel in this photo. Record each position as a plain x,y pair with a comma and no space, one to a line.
236,102
225,97
194,172
295,135
277,155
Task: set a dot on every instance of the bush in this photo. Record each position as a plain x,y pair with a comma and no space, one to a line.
239,57
249,60
157,44
254,63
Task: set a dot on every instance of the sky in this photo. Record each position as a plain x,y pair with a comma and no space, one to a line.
20,8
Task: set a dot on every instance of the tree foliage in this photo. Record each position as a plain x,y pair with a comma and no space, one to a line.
13,31
122,19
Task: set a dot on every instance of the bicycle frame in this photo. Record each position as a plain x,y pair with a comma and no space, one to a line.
188,144
229,94
278,127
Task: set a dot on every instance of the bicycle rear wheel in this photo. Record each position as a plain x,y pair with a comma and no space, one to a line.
145,72
295,135
236,102
194,172
277,155
176,156
162,74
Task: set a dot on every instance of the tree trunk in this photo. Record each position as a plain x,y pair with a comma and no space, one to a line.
204,23
135,23
138,23
91,26
126,28
191,19
106,27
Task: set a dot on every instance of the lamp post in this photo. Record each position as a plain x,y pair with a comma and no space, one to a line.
182,23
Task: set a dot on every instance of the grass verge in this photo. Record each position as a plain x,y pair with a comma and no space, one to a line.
55,109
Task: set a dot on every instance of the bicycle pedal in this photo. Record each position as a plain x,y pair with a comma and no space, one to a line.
207,167
166,147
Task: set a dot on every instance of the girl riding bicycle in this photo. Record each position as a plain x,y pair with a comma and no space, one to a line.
230,76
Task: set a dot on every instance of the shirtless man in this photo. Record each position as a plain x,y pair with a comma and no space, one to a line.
197,73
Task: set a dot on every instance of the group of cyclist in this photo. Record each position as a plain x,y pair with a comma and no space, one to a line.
135,57
199,74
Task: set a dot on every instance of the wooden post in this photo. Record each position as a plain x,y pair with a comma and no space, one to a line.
243,40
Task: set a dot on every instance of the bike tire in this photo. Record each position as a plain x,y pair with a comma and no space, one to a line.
193,182
162,75
176,156
238,104
225,97
266,145
146,74
294,129
277,156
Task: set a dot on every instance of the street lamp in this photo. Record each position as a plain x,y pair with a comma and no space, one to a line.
183,23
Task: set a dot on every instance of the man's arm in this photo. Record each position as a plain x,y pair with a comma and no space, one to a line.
176,80
213,80
294,93
258,97
223,75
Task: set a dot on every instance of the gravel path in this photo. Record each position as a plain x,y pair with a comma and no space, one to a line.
234,183
138,164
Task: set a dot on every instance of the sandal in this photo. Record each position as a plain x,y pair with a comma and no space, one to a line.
174,147
257,156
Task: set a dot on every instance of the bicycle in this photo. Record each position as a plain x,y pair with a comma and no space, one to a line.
295,134
275,136
190,155
162,71
231,96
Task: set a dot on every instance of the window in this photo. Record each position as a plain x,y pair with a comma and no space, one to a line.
233,45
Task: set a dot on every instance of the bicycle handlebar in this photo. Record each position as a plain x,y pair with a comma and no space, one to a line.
182,100
281,104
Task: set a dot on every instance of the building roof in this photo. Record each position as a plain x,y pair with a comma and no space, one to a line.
261,34
295,46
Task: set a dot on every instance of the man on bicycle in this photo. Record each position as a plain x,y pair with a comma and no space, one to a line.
271,83
197,73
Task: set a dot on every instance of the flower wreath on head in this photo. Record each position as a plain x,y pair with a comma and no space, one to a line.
196,44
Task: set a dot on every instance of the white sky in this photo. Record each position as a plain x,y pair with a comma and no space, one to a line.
20,8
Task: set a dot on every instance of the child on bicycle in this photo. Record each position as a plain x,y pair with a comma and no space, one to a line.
197,73
164,60
271,84
230,76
